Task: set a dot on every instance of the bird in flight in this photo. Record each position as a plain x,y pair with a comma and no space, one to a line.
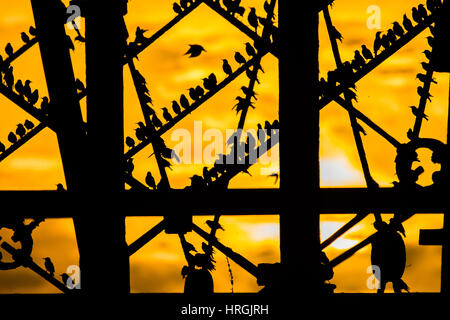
195,50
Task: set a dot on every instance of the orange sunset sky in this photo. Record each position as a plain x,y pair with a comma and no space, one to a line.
384,96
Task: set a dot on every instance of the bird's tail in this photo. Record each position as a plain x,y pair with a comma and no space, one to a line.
402,285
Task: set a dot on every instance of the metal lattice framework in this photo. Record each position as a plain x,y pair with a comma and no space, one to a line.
404,199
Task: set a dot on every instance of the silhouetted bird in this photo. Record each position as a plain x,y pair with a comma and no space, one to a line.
433,5
207,249
423,93
189,247
146,99
367,54
251,75
385,42
20,130
24,37
250,50
426,66
28,124
398,30
129,166
359,60
176,8
27,89
140,134
267,8
185,271
389,254
275,124
195,50
60,187
359,128
19,87
226,67
407,24
261,133
336,34
150,181
34,97
267,126
197,182
32,30
199,91
129,141
431,41
193,94
377,43
156,122
2,147
79,85
416,16
214,225
9,77
9,49
165,164
44,104
210,82
418,113
140,38
49,266
184,3
427,54
422,11
239,58
423,78
410,134
253,19
242,104
249,92
12,138
184,102
350,95
166,115
176,107
391,37
65,279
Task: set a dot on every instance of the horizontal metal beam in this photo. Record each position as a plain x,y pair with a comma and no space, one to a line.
49,204
230,202
352,200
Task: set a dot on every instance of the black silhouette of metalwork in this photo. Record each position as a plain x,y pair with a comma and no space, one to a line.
83,146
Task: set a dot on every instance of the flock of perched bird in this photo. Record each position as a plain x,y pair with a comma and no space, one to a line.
344,75
232,7
235,161
196,94
23,90
210,83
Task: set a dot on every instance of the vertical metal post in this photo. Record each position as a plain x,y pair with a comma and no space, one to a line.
445,277
299,118
105,270
64,110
